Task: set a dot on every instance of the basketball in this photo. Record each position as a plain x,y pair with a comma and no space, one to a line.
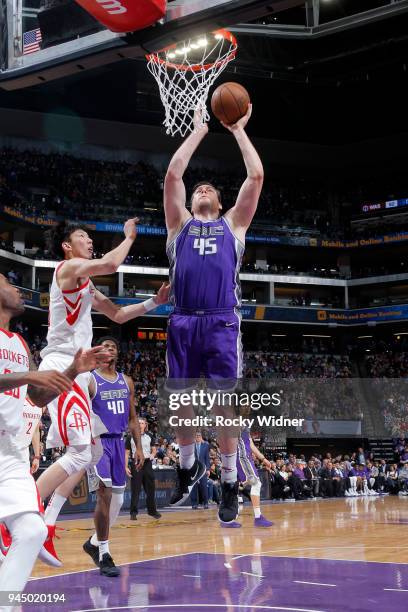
229,102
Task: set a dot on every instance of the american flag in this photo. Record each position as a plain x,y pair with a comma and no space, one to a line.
31,41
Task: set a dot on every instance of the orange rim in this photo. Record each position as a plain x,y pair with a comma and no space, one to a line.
226,35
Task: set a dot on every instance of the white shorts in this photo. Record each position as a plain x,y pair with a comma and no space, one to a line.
73,423
18,491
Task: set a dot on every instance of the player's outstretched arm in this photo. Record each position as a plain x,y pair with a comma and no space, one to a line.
44,386
52,380
175,209
108,264
245,207
121,314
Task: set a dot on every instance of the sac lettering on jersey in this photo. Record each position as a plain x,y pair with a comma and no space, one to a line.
112,402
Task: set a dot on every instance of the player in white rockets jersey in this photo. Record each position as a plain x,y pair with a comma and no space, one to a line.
29,434
20,503
72,297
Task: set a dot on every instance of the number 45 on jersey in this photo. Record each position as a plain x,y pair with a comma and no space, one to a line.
205,246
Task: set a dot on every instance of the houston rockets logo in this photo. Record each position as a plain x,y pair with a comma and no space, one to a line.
79,422
77,402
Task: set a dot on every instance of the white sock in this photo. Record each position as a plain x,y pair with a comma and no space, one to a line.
257,512
229,467
115,506
94,540
54,508
103,548
28,532
187,456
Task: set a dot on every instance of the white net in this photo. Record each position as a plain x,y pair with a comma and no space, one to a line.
185,73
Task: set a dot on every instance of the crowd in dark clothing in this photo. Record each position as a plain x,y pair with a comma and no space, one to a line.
294,478
389,370
49,184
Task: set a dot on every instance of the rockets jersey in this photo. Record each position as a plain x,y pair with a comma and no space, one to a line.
205,258
111,402
14,358
70,321
31,417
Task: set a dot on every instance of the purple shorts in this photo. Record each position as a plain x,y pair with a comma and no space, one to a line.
246,469
204,343
111,467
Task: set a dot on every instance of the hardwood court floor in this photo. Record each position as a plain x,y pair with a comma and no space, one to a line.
354,529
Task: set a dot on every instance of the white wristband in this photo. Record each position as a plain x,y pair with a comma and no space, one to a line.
150,304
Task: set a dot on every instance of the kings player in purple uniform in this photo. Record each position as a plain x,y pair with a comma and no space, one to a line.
205,250
248,474
113,401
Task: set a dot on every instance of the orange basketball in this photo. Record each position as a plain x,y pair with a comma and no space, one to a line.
229,102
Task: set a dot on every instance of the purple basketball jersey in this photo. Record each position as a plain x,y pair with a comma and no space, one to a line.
111,402
246,469
205,259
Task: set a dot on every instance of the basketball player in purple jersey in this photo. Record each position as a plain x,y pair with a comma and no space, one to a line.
205,252
248,474
113,400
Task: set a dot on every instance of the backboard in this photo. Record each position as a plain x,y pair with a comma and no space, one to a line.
23,61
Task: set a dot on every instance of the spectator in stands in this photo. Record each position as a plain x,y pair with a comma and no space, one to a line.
403,479
278,476
326,478
12,277
338,478
214,482
383,469
404,455
362,477
392,479
374,477
202,453
361,457
312,477
352,480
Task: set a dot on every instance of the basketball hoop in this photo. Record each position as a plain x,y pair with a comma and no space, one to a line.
185,72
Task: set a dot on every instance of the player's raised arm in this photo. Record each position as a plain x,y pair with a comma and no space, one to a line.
245,207
55,381
174,190
121,314
84,266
